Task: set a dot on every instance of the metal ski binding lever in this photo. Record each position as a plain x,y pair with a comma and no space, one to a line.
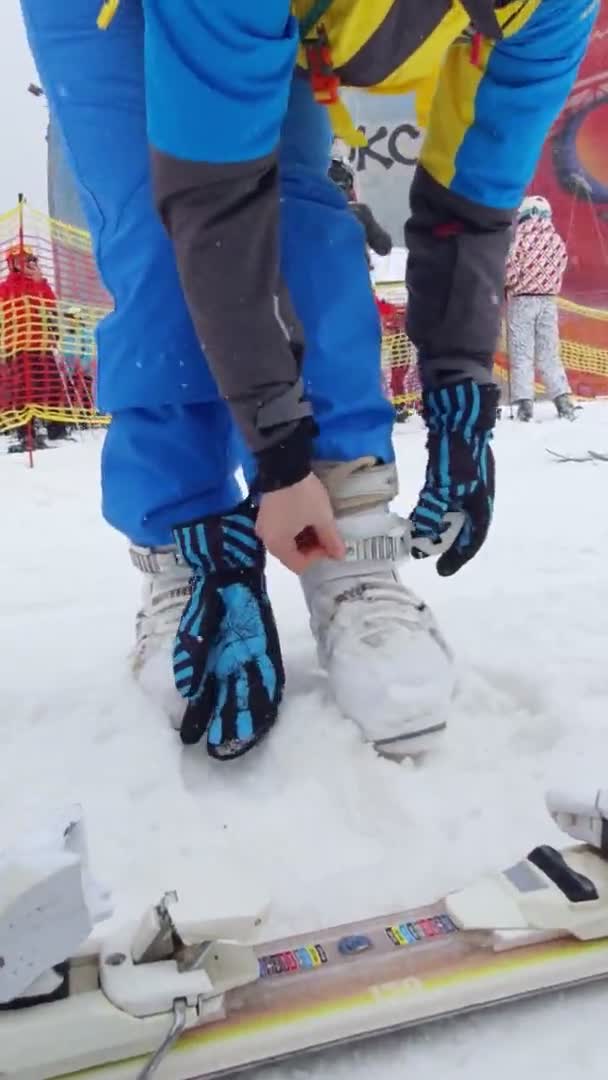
154,938
189,957
180,1020
177,965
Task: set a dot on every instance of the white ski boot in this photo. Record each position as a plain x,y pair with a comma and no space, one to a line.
49,903
166,591
585,817
389,668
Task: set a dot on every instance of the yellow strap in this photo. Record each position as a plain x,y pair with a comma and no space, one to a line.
424,93
106,13
343,126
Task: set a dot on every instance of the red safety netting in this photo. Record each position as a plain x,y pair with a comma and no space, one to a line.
51,300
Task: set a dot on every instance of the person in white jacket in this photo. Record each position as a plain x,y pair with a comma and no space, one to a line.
535,270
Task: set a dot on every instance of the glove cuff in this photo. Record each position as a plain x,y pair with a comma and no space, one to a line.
287,462
463,406
222,542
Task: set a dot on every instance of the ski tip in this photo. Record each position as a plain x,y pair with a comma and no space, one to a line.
585,456
561,458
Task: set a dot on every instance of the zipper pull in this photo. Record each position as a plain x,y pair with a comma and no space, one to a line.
106,13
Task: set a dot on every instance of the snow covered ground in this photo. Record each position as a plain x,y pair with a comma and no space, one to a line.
314,821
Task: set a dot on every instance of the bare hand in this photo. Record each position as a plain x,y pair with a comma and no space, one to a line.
297,525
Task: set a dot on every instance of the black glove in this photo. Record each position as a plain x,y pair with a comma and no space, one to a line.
460,419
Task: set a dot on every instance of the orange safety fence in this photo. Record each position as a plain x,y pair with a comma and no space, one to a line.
50,308
583,346
51,300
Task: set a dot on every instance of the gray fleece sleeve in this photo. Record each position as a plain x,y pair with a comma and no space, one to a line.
375,236
457,253
224,224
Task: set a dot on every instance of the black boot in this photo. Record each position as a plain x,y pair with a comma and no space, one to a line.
56,430
19,440
40,435
525,410
402,413
17,444
565,407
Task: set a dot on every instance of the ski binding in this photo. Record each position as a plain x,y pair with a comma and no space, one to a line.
179,997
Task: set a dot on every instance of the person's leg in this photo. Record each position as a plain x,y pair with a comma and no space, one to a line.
171,452
50,391
548,359
388,666
12,399
325,267
189,447
521,319
171,448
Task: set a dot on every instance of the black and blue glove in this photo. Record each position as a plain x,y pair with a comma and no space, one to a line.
460,419
227,660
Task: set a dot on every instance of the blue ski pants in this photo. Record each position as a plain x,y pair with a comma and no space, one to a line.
172,452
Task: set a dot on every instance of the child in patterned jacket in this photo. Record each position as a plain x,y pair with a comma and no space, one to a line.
535,270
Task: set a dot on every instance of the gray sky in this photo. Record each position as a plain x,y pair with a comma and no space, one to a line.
22,117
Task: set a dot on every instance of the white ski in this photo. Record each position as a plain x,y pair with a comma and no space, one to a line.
182,999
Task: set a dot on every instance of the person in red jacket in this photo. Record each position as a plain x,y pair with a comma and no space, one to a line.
28,336
398,354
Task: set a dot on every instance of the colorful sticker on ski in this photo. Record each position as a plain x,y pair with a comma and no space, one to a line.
353,944
419,930
293,960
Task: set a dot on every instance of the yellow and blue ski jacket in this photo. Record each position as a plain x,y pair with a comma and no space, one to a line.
489,77
486,98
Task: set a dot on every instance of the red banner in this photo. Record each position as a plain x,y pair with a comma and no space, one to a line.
573,175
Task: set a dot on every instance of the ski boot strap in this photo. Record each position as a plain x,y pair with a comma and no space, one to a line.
155,560
390,547
392,543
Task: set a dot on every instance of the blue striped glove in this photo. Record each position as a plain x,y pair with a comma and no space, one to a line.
460,419
227,659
